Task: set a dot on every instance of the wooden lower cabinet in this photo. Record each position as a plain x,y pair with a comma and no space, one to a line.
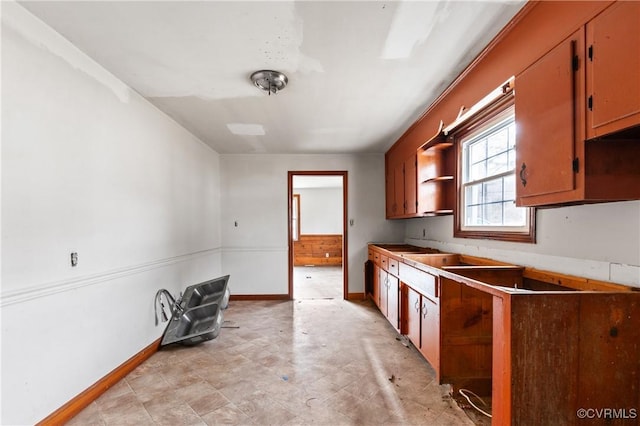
421,318
430,332
412,315
393,299
538,350
376,285
384,291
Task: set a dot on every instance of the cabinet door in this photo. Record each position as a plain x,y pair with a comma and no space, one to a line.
413,316
390,192
613,69
430,332
376,285
398,189
384,291
411,185
545,121
393,301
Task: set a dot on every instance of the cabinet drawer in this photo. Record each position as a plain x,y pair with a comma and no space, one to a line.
371,256
384,262
376,258
421,281
393,267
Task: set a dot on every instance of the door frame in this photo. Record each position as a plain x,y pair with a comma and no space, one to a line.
345,254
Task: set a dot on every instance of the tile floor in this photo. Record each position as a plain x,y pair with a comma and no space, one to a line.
317,282
306,361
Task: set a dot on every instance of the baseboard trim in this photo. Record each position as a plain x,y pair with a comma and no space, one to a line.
239,297
77,404
355,296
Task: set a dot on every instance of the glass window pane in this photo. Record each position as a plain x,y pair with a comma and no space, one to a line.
498,164
509,184
493,214
493,191
478,171
512,135
498,142
478,151
473,216
514,216
473,194
511,163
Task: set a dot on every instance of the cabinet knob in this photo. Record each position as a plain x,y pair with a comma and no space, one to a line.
425,311
417,306
522,175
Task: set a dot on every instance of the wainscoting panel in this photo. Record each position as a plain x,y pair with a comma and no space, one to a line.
318,250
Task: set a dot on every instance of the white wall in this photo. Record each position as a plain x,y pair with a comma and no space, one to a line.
254,193
89,166
320,210
598,241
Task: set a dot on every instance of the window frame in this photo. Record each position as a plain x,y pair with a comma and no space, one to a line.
295,217
490,115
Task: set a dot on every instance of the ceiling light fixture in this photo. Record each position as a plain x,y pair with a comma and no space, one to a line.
269,81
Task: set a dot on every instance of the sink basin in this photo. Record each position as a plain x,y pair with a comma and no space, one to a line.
195,325
206,292
201,316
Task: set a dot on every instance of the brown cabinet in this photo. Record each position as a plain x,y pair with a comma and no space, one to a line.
376,285
613,69
430,331
537,345
413,316
383,291
410,186
558,160
422,324
401,188
386,293
436,177
389,191
393,299
546,120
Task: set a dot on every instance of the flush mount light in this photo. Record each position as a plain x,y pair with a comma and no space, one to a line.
269,81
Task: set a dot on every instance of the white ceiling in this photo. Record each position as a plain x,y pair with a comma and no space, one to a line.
360,73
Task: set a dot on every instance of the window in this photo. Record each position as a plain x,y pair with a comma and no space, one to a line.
487,188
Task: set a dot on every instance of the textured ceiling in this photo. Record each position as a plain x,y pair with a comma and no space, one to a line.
360,73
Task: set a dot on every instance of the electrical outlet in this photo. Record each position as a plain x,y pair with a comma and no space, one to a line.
326,255
74,259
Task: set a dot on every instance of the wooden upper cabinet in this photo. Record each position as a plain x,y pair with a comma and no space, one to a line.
401,188
411,185
613,69
390,192
546,120
578,115
436,177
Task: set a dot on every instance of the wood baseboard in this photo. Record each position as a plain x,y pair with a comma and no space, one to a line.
77,404
355,296
259,297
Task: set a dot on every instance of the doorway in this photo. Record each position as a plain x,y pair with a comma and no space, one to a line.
317,219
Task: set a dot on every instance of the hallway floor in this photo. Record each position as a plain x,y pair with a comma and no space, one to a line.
325,362
317,282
